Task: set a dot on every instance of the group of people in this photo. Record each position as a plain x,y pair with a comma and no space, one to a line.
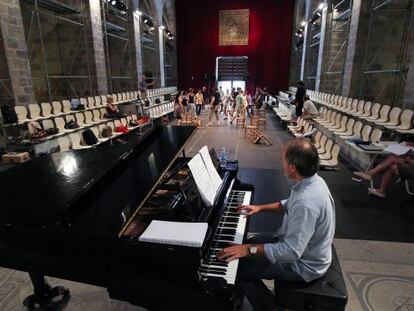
227,105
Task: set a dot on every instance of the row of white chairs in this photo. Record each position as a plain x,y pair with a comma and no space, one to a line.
162,91
328,151
35,112
92,118
345,127
391,118
160,110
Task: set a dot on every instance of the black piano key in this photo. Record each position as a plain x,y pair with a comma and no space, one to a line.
225,238
228,225
227,231
215,262
220,244
213,270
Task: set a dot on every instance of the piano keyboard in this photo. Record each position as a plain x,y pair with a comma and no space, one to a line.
230,230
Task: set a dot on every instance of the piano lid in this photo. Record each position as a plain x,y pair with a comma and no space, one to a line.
37,192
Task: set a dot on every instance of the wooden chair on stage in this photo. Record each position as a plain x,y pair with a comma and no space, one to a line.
241,119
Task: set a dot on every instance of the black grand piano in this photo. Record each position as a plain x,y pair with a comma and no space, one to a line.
78,215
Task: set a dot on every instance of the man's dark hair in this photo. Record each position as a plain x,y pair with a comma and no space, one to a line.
300,83
306,97
303,155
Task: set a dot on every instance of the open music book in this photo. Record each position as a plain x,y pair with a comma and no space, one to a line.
175,233
205,175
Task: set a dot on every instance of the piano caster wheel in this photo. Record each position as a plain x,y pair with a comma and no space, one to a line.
49,300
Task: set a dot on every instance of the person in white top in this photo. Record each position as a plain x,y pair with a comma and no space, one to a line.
226,103
309,109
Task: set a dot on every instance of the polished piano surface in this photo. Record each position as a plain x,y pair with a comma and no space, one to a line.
78,215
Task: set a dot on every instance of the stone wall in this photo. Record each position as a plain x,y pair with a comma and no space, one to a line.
357,70
15,51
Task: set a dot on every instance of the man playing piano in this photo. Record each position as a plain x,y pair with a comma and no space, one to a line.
300,251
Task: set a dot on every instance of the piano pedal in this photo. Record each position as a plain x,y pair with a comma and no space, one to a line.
55,298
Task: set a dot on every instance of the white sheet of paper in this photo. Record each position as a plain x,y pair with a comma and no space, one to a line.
202,179
214,176
398,149
175,233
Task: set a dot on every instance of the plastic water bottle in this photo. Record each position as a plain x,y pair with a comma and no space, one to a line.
223,158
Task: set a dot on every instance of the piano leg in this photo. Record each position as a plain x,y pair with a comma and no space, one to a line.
45,295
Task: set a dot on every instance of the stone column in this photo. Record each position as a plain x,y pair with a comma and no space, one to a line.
321,48
161,48
97,42
350,52
305,39
137,44
15,47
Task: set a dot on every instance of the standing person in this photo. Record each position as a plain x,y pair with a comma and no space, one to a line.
221,98
238,106
178,109
191,102
143,86
226,103
199,102
214,107
205,96
184,101
301,250
301,91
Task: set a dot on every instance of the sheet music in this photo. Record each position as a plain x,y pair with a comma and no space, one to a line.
175,233
399,149
202,179
211,169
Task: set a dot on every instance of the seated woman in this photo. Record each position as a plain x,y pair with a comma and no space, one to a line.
111,111
393,166
309,109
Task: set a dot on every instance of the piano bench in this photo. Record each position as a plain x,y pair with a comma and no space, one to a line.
324,294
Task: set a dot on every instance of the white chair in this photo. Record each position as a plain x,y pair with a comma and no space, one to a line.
60,125
374,113
104,100
80,119
333,161
326,155
348,128
337,123
394,119
22,114
382,115
46,110
341,127
356,131
76,139
66,107
360,108
103,113
322,144
91,102
318,139
367,111
84,102
97,133
376,135
64,143
98,101
34,110
365,133
57,108
89,118
96,116
405,125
